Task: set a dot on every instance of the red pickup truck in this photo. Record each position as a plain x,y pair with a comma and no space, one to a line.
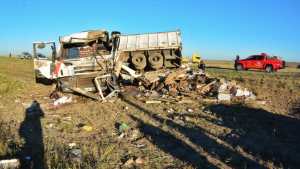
262,61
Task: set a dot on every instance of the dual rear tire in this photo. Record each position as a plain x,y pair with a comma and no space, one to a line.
139,61
155,60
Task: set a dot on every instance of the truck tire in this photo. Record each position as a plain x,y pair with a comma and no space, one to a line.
156,60
139,61
239,67
269,68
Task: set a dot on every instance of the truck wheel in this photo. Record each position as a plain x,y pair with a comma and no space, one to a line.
239,67
156,61
269,68
139,61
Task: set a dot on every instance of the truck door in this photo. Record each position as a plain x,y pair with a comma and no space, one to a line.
44,54
258,63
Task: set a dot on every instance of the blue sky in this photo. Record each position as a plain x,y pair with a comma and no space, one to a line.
217,29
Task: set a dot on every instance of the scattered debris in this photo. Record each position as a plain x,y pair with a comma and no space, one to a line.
122,127
129,162
62,100
224,97
54,95
72,145
171,110
87,128
209,100
190,110
140,145
139,161
51,125
184,101
153,101
178,85
9,164
75,155
135,134
134,161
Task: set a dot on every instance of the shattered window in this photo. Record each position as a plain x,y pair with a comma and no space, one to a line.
72,53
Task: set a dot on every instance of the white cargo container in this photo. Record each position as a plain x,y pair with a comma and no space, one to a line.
150,41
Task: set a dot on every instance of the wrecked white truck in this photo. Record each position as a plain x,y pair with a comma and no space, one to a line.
90,62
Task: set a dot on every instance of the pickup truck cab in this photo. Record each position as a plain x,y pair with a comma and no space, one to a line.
262,62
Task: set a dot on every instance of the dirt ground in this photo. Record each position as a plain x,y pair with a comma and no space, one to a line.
127,133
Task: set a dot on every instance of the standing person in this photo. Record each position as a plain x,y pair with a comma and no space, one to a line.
10,55
236,61
201,66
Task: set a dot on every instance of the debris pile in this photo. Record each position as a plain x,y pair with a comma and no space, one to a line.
187,83
182,85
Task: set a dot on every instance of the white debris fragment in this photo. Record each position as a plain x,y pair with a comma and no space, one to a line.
245,93
224,97
72,145
12,163
262,102
223,88
239,93
62,100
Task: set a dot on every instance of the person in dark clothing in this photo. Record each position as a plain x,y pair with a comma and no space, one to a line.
236,61
201,66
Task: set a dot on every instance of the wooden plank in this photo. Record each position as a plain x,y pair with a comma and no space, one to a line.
84,93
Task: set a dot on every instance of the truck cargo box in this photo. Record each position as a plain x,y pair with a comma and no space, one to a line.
150,41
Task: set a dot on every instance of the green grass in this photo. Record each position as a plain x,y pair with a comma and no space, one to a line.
17,69
9,86
16,76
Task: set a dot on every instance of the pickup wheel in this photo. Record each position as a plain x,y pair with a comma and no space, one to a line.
269,68
239,67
